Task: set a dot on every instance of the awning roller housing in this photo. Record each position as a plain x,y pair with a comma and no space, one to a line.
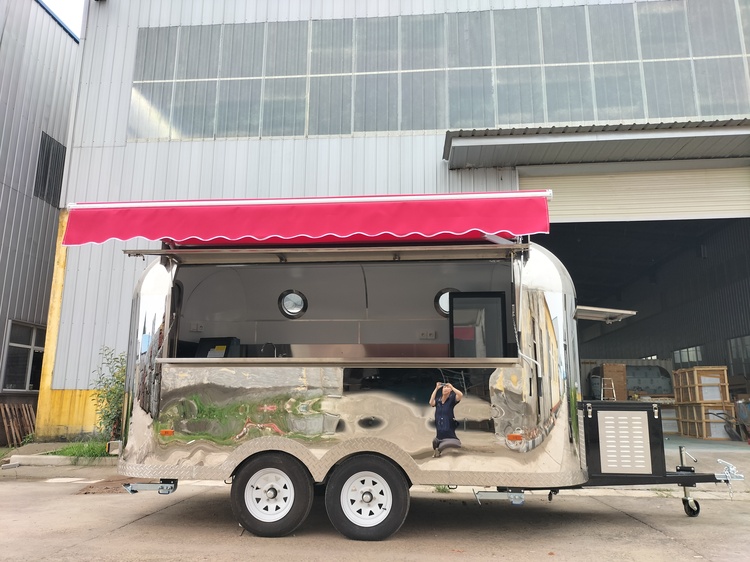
463,217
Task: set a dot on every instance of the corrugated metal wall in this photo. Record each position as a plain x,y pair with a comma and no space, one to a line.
105,165
37,59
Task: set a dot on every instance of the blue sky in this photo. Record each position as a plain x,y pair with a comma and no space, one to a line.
69,11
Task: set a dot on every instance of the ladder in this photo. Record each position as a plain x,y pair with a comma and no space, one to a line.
608,390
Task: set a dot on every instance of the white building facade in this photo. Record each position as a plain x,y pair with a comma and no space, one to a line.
190,99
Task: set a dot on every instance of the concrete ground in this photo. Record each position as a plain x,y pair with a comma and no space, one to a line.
81,512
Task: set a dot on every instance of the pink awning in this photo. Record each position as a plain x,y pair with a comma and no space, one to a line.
320,220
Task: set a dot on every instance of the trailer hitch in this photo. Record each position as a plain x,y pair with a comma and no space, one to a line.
730,473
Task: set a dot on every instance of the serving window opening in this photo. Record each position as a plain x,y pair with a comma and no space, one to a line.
357,310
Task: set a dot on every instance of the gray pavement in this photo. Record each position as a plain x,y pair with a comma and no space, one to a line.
81,512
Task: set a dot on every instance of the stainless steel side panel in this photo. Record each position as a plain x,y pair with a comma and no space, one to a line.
211,419
200,420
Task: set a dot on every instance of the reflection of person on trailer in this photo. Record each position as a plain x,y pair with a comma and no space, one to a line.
445,423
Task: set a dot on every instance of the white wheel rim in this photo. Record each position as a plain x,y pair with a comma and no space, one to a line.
366,499
269,495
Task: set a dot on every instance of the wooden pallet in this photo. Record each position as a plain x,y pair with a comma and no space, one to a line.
19,421
697,420
701,384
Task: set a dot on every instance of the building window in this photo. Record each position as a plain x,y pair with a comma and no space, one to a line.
739,349
23,357
515,67
688,357
49,170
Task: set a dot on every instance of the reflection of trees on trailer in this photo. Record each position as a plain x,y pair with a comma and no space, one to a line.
284,367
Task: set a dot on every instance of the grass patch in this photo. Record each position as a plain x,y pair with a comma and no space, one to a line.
84,449
442,489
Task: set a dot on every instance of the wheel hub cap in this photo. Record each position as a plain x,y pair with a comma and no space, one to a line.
269,495
366,499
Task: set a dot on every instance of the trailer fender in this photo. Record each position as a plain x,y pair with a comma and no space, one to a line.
245,452
370,445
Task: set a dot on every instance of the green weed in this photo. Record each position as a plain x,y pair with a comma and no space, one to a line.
83,450
109,393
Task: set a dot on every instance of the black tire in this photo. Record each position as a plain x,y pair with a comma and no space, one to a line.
271,495
367,498
691,511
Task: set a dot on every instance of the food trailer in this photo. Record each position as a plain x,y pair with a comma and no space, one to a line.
285,344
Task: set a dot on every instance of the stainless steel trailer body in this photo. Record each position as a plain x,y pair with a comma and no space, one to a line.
359,378
353,375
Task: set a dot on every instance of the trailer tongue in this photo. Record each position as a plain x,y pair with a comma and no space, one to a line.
625,446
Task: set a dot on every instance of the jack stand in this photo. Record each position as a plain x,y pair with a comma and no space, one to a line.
690,505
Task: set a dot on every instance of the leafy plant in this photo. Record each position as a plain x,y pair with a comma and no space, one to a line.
442,489
109,393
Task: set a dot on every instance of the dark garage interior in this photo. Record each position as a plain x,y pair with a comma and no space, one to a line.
688,281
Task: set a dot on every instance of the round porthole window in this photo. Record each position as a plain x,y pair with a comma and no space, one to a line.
442,301
292,304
